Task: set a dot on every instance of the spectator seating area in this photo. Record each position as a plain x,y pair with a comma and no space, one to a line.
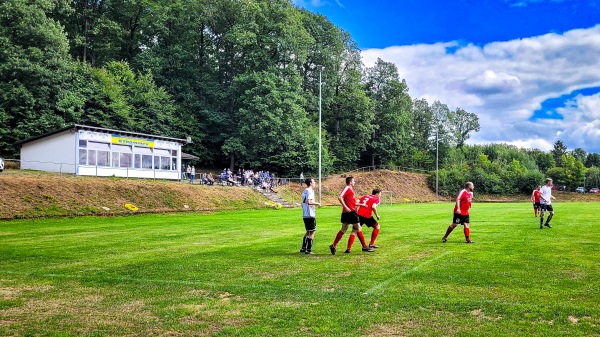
245,178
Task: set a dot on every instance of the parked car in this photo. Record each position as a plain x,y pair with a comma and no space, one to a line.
562,187
580,190
594,190
1,164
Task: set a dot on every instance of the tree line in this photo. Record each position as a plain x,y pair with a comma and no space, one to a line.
507,170
246,80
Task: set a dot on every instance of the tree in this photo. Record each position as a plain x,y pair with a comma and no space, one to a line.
390,137
579,154
593,159
271,122
39,83
559,150
423,139
592,177
121,99
461,124
544,161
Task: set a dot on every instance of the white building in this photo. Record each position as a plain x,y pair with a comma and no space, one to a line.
93,151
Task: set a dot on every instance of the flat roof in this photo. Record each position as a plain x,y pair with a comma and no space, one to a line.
77,127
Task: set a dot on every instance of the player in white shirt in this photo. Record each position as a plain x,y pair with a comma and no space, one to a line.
309,215
546,203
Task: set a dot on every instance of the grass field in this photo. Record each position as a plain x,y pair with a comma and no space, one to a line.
240,274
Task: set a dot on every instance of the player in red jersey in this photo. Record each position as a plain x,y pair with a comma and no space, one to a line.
461,212
365,213
535,198
349,216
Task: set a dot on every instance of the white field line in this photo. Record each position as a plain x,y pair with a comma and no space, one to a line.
393,278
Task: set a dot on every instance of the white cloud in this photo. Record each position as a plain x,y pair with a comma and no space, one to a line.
487,83
505,82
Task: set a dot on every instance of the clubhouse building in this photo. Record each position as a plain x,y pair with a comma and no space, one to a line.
93,151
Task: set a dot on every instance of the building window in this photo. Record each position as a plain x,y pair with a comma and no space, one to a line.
92,157
98,153
143,157
162,159
146,161
126,160
121,155
83,156
102,158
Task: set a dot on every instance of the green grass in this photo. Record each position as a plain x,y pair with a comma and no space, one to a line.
240,274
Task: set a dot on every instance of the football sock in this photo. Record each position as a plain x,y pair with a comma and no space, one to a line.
338,237
350,242
549,218
467,234
304,241
448,231
374,236
361,237
309,243
535,212
541,219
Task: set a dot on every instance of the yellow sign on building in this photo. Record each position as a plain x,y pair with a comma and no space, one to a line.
117,139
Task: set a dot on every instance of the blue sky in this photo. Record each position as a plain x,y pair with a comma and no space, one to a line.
530,69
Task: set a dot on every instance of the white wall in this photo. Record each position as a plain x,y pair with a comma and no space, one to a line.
55,153
107,171
58,153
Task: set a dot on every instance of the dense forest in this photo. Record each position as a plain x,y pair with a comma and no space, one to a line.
247,81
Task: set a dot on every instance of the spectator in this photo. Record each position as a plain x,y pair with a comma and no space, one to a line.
192,174
210,178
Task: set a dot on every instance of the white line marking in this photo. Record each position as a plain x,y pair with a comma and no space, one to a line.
388,281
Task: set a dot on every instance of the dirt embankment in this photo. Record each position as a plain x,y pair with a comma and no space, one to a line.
399,186
25,194
40,195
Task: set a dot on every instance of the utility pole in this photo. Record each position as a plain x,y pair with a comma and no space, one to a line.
320,145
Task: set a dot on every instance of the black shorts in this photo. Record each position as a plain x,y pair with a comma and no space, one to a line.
460,219
310,224
548,208
537,205
350,217
370,222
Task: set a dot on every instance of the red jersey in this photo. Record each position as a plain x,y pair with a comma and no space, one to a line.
370,201
348,196
465,198
536,195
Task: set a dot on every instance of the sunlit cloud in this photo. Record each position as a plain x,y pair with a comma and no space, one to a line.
504,83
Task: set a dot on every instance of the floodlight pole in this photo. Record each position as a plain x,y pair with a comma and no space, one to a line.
320,85
436,162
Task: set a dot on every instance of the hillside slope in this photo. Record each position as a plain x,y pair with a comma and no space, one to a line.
34,195
400,186
26,194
